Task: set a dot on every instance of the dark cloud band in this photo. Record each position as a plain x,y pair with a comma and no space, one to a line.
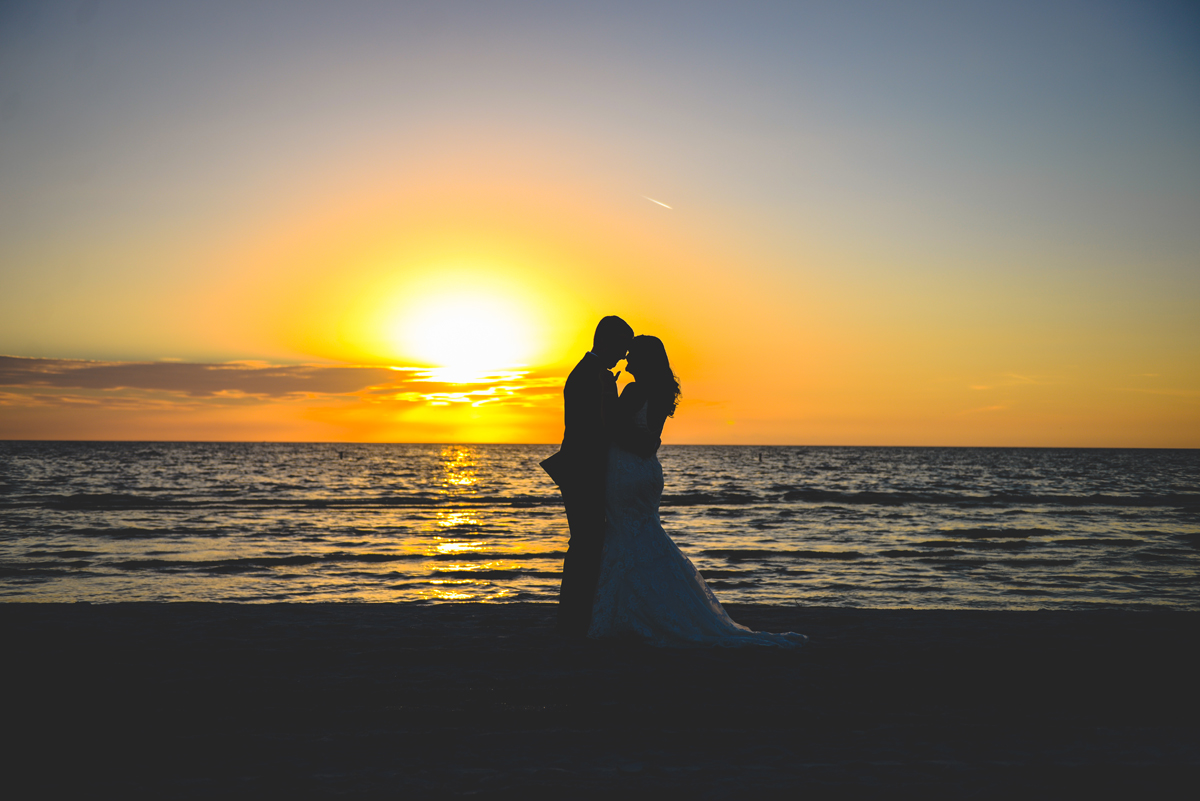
197,379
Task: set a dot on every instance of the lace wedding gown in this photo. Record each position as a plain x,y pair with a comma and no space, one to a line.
648,589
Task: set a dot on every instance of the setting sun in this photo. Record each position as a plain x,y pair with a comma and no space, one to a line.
464,334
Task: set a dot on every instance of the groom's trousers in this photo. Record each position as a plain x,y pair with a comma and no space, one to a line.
581,567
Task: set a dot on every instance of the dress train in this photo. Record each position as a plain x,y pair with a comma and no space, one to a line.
648,588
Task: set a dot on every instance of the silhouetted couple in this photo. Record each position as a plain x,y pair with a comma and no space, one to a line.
623,576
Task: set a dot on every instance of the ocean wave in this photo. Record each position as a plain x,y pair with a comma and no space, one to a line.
497,574
134,533
832,499
998,533
40,569
1159,556
711,499
85,501
63,554
978,545
258,562
107,500
301,560
1183,500
742,554
731,585
725,574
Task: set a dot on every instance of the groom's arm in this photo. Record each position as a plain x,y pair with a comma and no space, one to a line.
610,412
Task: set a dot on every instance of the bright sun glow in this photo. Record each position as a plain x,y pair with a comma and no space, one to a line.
464,334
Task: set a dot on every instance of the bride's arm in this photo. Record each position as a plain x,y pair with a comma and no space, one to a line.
628,432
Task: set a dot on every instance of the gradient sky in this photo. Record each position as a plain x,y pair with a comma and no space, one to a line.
890,223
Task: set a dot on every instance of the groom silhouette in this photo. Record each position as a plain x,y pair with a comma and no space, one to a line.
589,397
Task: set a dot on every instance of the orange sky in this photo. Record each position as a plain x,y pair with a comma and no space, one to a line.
405,229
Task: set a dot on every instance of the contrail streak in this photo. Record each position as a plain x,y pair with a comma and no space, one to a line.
659,202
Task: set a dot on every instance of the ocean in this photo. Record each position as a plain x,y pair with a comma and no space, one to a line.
934,528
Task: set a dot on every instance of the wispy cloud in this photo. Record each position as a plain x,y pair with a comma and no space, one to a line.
1180,393
982,409
1015,380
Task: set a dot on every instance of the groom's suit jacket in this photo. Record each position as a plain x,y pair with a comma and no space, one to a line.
589,392
578,469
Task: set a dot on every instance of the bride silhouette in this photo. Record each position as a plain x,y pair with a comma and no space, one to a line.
647,588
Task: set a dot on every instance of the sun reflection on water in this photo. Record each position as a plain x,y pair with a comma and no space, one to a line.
458,547
438,594
457,519
460,469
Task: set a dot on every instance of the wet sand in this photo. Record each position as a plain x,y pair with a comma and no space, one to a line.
410,700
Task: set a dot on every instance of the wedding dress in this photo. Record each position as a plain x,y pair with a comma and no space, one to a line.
648,589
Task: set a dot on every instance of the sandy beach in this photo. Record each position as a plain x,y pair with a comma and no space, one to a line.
411,700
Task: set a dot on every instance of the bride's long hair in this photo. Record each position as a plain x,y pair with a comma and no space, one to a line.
656,375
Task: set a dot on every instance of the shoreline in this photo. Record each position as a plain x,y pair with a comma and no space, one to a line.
443,700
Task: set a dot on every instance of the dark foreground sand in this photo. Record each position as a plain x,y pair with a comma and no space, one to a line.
411,701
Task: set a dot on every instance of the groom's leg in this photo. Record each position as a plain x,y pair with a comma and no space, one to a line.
581,567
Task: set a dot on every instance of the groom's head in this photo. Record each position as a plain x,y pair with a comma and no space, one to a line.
612,339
